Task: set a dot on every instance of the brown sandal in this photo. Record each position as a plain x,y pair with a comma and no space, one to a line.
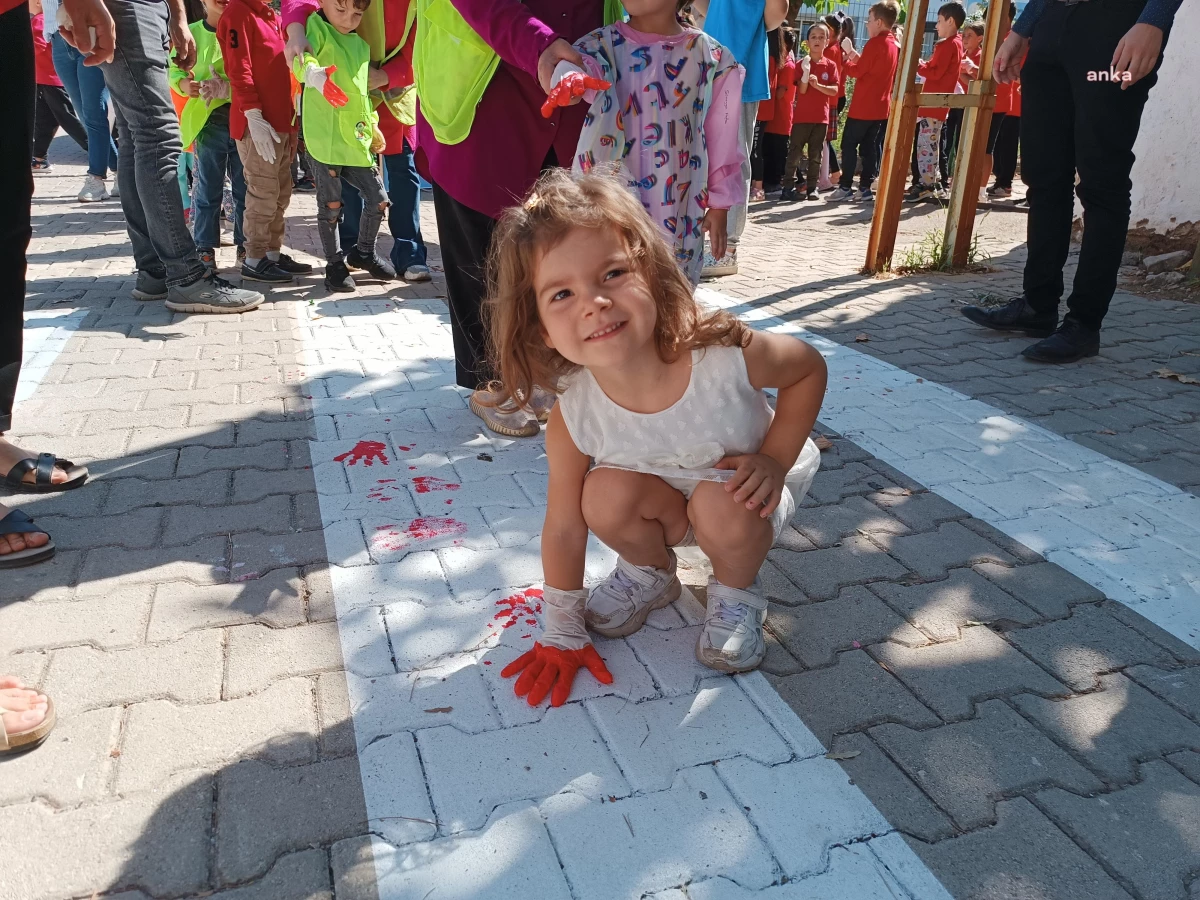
24,741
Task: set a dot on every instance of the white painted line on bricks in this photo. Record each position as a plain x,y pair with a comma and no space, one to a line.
46,334
1130,535
432,527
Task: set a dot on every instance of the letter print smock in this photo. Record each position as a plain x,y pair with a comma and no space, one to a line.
652,122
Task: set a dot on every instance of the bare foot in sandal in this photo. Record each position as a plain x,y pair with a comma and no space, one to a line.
22,709
11,454
14,543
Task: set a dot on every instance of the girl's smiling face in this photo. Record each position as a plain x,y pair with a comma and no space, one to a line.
594,304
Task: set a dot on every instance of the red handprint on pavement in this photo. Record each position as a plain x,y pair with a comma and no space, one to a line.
425,484
365,452
572,86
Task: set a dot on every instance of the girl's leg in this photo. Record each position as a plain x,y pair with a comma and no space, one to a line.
93,95
44,124
59,103
639,516
734,538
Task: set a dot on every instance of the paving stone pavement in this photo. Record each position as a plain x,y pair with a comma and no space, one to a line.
273,686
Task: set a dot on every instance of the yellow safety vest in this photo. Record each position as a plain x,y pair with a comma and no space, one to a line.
373,29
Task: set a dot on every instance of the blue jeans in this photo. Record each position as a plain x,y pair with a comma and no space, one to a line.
216,154
150,144
89,95
404,214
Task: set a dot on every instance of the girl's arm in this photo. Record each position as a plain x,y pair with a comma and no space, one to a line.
829,90
725,151
798,371
564,534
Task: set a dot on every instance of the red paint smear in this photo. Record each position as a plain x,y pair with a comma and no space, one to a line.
487,662
515,606
405,449
427,483
412,468
531,621
426,528
386,481
526,636
449,502
365,452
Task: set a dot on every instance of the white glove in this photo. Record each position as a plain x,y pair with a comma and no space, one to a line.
214,88
806,67
847,45
562,619
564,68
262,135
315,77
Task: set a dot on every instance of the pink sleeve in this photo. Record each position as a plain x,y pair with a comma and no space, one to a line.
297,11
722,124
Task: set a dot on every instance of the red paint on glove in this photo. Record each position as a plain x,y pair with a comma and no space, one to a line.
573,86
548,670
331,92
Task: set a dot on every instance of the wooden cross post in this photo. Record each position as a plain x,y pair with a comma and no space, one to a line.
907,98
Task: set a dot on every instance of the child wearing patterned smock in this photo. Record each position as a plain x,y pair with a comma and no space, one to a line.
663,436
669,121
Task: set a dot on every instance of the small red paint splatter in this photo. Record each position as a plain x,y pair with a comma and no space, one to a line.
412,468
402,447
449,502
365,452
386,481
487,662
427,483
516,606
526,636
426,528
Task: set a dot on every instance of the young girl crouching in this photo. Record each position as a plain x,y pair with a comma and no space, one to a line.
587,295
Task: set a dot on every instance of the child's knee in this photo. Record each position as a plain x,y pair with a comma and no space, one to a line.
609,496
721,521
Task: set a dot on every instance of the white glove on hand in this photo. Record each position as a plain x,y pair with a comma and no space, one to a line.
564,68
562,619
214,88
806,67
263,136
315,77
847,45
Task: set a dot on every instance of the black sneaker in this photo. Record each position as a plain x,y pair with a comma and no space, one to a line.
337,278
376,265
789,195
1072,341
291,266
266,271
1016,315
305,186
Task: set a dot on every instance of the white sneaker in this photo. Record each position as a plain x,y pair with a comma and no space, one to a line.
839,194
983,197
115,193
93,190
414,274
732,637
716,268
619,605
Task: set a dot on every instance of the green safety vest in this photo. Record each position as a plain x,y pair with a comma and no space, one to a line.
208,64
338,136
402,102
453,66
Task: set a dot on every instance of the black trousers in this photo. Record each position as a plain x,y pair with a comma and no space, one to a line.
949,148
1004,157
756,152
1073,124
775,153
52,110
465,235
860,135
16,195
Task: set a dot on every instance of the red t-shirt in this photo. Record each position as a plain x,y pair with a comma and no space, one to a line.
782,122
940,72
766,108
1004,94
834,54
43,55
252,47
874,71
974,57
811,106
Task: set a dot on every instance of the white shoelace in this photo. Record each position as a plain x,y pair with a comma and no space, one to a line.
620,586
732,613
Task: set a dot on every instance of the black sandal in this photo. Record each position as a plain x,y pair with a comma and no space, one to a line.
43,482
18,522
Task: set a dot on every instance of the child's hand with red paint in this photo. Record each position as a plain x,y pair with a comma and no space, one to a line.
570,88
550,667
318,78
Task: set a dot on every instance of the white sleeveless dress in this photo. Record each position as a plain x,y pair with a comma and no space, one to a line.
720,414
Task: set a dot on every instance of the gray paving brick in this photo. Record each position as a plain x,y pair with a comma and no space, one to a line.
952,545
1182,651
276,599
1179,687
297,876
262,429
1023,856
127,494
257,553
352,863
831,486
965,767
1088,644
257,655
185,524
951,677
1187,762
265,811
318,594
72,766
158,463
137,529
196,460
825,526
1114,727
941,608
253,484
118,621
1162,810
1181,469
894,794
1009,545
920,510
1047,588
822,573
146,440
198,562
849,695
814,632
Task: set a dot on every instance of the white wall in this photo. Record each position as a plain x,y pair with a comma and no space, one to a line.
1166,175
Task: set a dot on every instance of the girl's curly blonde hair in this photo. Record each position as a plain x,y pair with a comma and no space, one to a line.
558,203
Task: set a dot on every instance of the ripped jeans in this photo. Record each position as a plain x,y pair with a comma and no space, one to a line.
369,184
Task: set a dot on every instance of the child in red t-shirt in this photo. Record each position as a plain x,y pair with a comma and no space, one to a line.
873,70
776,131
53,106
816,86
940,72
